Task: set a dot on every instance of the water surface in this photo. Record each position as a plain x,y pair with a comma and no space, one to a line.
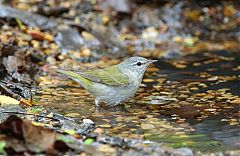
187,102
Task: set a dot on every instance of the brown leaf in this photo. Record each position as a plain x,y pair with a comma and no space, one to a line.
12,127
37,138
22,134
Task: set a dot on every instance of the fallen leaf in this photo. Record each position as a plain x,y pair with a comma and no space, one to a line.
6,100
88,141
22,135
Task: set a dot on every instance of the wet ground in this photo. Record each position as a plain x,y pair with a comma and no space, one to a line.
191,101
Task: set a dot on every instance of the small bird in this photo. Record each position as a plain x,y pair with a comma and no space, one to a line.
112,84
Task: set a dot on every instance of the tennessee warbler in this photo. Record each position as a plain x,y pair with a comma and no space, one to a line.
113,84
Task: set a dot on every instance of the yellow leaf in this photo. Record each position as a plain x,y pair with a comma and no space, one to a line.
26,102
6,100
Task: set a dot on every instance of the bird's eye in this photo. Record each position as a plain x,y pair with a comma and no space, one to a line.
139,63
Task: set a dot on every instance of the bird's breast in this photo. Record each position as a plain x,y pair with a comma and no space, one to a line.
116,94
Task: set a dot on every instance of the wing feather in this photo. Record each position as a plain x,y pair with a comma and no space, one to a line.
109,76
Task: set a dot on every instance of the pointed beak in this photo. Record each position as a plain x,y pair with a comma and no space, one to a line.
151,61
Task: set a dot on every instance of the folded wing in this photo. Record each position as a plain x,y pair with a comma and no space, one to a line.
109,76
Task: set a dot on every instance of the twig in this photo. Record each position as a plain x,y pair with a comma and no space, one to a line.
8,92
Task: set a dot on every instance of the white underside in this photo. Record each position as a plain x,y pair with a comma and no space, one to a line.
113,95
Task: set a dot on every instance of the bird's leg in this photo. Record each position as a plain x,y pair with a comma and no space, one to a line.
96,101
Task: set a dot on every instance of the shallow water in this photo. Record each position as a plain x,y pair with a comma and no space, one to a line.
187,102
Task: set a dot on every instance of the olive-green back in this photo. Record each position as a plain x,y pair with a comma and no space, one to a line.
109,76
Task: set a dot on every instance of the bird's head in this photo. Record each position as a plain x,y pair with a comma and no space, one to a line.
137,65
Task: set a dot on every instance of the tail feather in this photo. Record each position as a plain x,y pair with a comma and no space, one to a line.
76,77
